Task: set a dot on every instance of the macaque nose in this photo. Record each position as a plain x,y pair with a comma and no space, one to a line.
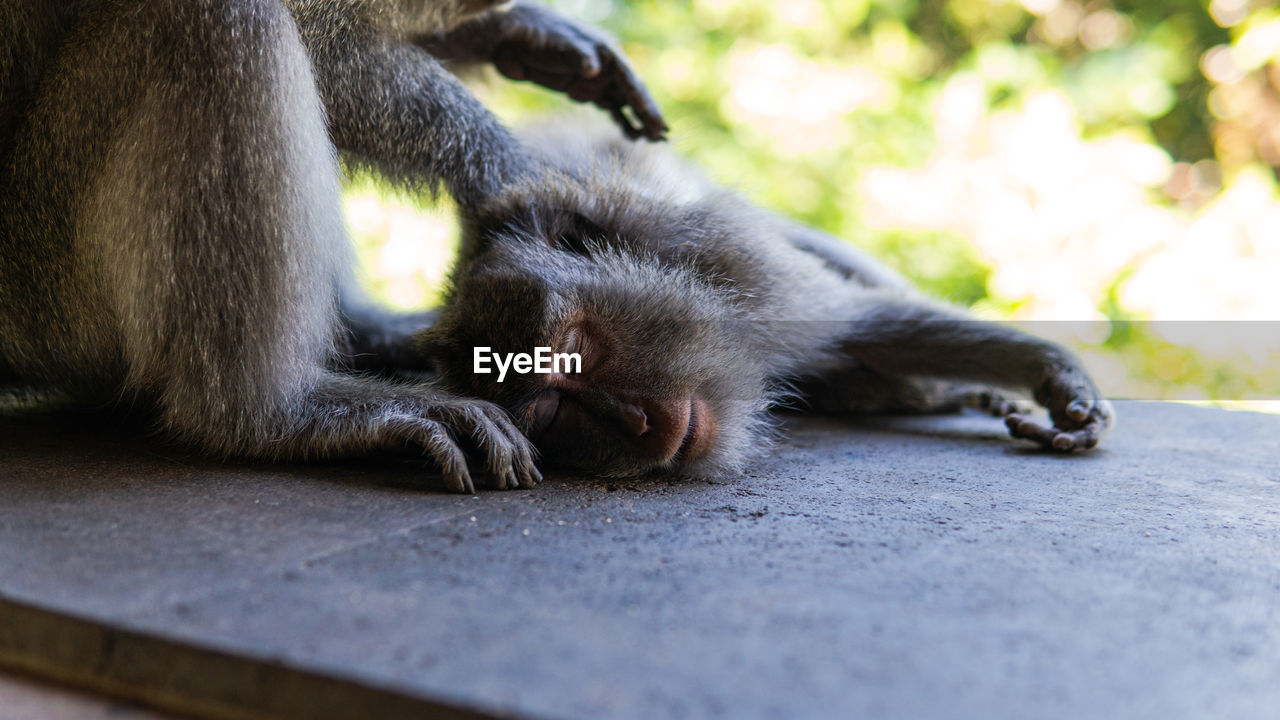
634,419
656,426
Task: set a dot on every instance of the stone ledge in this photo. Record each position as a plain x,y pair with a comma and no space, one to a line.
895,567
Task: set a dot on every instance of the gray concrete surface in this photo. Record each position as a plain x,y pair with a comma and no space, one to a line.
894,568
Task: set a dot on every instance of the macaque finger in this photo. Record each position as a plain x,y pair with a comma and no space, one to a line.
634,93
1095,434
615,98
581,56
1056,438
1093,431
589,54
1021,427
1064,442
572,48
442,448
512,454
499,460
524,463
1084,438
531,476
1078,410
632,132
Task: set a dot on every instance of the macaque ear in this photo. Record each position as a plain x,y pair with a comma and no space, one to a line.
581,234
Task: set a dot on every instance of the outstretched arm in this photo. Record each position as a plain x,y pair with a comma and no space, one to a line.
394,107
904,335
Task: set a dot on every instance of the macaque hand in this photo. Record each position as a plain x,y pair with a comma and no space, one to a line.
1080,414
537,44
507,456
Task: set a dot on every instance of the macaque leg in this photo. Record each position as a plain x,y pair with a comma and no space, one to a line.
212,231
902,335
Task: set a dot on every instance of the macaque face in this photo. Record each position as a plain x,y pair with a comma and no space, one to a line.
664,381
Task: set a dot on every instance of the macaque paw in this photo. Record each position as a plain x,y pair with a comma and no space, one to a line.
1080,415
556,52
508,457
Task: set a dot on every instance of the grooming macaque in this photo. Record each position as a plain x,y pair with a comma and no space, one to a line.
694,312
170,221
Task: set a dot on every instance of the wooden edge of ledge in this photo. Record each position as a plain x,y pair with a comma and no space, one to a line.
189,680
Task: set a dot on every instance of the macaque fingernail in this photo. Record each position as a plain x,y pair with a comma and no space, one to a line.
1063,442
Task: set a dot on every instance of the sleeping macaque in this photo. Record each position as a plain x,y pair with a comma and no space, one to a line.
693,312
171,233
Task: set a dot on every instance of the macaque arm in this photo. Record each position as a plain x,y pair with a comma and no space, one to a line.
528,41
857,389
904,335
393,106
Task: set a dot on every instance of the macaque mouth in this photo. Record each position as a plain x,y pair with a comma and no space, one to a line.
700,437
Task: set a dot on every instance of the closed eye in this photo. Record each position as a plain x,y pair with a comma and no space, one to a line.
581,338
572,340
544,410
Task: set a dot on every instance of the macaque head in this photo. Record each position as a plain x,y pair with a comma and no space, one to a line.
667,379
